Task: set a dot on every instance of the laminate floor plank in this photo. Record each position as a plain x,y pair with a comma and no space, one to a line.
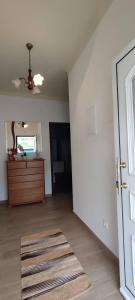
55,213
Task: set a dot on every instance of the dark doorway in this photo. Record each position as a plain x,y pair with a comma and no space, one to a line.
60,157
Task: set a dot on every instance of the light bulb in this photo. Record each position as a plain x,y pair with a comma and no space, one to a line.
26,125
17,83
35,90
38,79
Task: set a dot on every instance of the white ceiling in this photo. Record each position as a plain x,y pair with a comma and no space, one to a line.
58,29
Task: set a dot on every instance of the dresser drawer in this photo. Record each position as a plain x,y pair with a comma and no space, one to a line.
25,185
23,172
35,164
28,178
16,165
26,197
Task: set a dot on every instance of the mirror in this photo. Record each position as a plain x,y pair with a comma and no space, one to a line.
25,138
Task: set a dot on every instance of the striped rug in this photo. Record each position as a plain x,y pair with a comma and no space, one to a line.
49,268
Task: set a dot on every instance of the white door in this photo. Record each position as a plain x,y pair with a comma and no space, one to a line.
125,79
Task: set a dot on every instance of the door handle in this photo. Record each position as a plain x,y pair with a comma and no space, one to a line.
124,185
117,176
123,165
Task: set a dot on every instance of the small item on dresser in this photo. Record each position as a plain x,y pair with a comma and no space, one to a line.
25,155
21,151
12,153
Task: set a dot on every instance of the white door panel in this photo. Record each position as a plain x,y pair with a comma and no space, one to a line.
126,114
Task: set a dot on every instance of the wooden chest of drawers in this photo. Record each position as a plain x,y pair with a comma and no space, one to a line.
25,181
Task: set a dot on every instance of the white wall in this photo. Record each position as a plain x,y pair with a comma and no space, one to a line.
34,110
90,83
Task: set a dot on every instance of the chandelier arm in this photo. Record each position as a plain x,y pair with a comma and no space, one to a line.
23,79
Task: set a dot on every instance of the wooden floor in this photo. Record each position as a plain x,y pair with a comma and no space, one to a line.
57,212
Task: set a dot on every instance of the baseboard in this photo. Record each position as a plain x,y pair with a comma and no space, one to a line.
3,202
108,251
48,195
6,201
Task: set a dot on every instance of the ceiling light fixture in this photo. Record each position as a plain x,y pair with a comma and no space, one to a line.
23,124
32,83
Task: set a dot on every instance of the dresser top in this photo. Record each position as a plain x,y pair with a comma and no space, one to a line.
25,160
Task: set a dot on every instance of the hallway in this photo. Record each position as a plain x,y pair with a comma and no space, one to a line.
57,212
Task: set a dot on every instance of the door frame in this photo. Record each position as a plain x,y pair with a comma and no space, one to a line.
50,123
123,288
